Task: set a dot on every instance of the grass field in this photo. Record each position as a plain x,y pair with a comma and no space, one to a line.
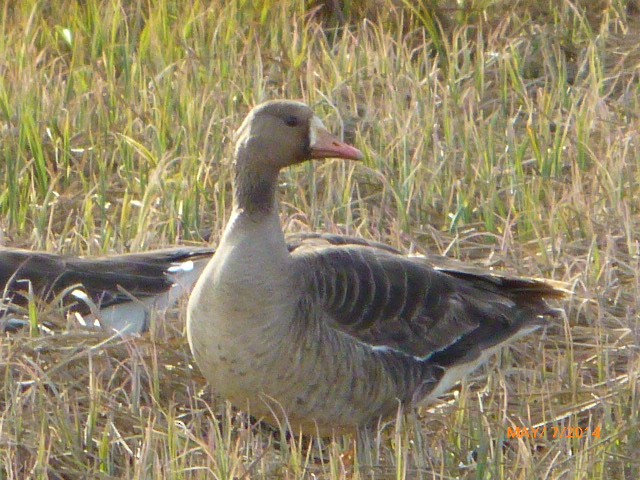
505,134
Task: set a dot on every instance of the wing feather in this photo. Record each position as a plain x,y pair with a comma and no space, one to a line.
390,301
106,280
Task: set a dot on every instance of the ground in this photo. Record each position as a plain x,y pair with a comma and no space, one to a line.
505,134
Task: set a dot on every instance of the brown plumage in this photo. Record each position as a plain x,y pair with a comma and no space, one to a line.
333,332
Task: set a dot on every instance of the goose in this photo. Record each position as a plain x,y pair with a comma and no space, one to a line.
117,291
327,333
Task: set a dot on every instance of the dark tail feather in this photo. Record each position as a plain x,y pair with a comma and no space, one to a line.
505,307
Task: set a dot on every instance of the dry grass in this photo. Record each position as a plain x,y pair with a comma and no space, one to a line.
508,135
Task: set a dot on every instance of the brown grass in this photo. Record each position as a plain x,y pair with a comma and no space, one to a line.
506,135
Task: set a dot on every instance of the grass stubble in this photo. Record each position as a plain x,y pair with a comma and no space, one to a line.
507,135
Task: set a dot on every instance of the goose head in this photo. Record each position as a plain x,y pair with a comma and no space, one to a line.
281,133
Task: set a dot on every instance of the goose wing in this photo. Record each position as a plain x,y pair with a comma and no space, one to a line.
107,281
413,306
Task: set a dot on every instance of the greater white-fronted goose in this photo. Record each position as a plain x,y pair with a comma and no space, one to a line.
335,332
119,291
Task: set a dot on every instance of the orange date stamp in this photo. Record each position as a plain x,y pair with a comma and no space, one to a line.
553,432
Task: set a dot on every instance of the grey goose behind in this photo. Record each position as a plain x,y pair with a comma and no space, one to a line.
118,291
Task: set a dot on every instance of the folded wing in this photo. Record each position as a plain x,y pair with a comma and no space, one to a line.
121,287
412,306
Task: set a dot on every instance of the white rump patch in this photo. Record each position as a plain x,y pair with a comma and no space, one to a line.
80,295
182,267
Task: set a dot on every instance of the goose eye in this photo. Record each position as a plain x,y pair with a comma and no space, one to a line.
291,121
